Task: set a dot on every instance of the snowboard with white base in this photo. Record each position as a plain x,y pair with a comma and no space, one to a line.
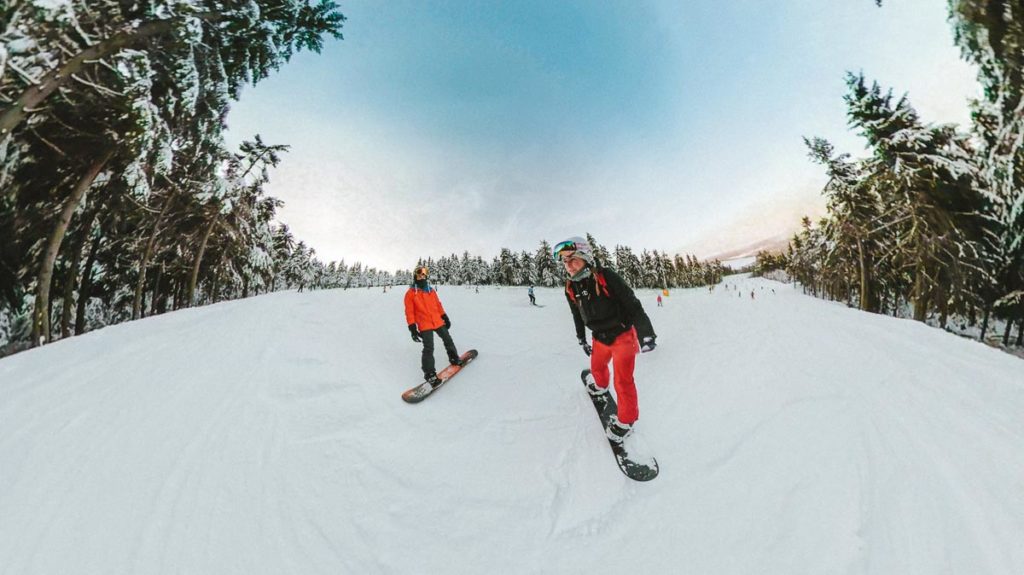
629,454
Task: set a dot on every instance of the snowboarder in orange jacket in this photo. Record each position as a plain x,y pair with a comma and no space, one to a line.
425,315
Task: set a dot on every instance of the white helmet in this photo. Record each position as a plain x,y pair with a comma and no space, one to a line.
575,247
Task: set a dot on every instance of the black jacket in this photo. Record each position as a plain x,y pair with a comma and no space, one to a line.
607,310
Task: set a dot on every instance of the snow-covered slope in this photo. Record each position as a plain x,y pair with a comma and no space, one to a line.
268,436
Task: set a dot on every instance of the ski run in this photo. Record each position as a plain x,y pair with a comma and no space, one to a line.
268,436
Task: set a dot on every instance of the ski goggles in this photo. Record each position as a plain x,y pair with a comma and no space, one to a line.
422,271
566,246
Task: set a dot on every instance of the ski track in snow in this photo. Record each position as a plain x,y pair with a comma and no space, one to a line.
268,435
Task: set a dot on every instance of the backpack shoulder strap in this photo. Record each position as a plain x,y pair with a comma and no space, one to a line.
568,290
602,284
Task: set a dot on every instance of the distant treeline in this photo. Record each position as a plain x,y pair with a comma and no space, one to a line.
652,269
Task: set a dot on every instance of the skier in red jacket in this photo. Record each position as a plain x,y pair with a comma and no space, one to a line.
602,301
425,315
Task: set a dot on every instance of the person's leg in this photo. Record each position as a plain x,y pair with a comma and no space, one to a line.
624,351
449,345
600,355
427,360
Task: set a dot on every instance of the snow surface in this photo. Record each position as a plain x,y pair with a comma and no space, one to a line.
268,436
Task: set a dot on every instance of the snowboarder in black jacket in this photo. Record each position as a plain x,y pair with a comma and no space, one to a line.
602,301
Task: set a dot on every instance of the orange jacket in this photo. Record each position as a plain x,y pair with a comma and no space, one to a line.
423,308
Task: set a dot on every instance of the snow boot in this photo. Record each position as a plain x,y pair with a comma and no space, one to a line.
456,361
592,387
618,431
433,380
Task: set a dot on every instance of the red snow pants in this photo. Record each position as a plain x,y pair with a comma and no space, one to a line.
622,352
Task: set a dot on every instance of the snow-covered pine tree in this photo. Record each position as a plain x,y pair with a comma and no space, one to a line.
856,213
932,182
146,73
549,272
649,276
666,270
526,269
505,271
681,275
628,265
990,35
601,254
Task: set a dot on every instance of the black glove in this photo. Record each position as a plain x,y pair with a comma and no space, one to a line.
586,347
648,344
447,322
415,333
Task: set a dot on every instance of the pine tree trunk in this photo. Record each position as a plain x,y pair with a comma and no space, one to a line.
147,254
219,278
156,290
70,282
1007,331
984,323
162,288
86,287
199,259
74,272
1020,332
178,289
920,298
214,287
867,292
41,317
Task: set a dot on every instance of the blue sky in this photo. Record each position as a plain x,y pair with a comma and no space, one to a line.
438,127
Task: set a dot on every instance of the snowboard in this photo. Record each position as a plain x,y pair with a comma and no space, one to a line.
423,390
632,460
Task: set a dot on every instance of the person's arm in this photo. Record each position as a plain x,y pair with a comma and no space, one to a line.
410,308
577,319
439,306
410,316
631,306
444,314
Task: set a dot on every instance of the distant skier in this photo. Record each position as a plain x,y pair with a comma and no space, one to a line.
425,315
659,301
533,300
600,300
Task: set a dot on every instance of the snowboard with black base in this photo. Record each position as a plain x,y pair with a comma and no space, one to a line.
425,389
635,464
